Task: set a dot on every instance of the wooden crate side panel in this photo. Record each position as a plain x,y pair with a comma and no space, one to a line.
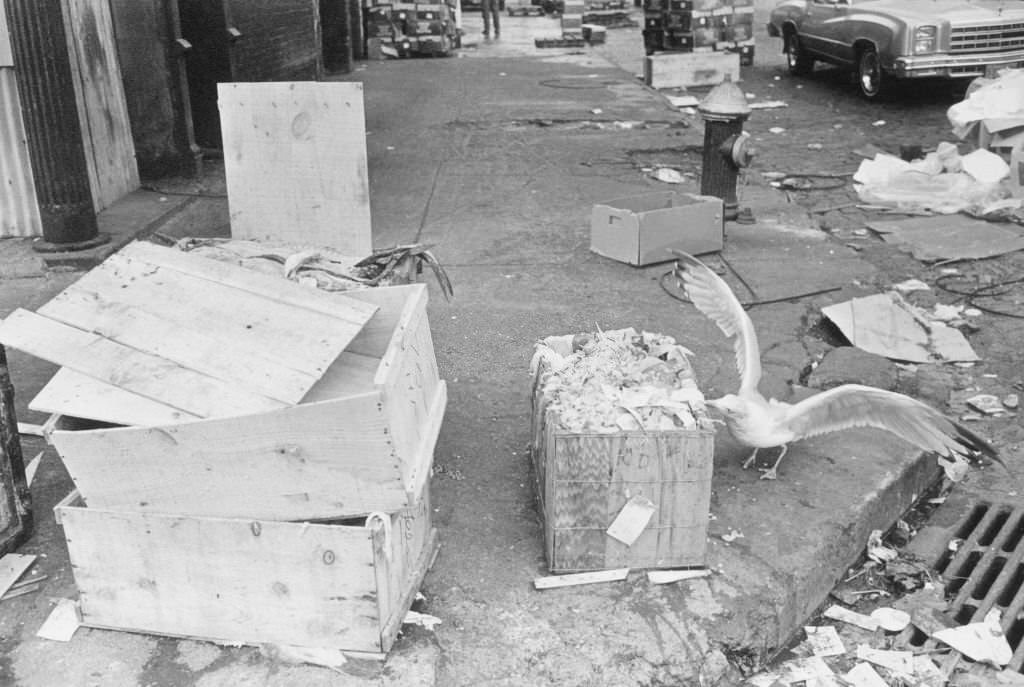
234,580
582,468
295,161
319,460
376,335
400,554
410,386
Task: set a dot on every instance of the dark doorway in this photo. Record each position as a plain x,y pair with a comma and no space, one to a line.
204,25
337,35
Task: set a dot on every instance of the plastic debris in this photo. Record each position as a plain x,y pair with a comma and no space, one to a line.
669,175
731,536
422,619
845,615
1011,401
911,285
891,619
982,641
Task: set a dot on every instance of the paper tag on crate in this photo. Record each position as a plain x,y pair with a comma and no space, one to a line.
632,519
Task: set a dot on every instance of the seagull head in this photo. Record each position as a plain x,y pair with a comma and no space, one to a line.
731,406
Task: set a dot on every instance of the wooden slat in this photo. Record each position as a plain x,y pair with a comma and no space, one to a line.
258,344
235,580
342,306
312,461
77,395
137,371
295,161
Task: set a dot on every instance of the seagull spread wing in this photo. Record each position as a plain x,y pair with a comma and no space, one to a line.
713,297
853,405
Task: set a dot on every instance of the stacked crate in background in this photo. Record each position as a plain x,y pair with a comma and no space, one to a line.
405,29
700,26
572,19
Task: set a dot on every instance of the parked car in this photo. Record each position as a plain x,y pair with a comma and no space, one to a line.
887,40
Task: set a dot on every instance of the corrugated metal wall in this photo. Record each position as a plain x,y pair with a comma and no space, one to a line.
19,211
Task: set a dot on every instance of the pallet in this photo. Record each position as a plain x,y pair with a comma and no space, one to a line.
560,42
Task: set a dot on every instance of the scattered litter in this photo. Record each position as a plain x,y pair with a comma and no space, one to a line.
879,122
845,615
297,655
938,182
863,675
986,403
797,670
994,99
982,641
629,524
33,465
985,166
30,429
767,105
63,621
24,587
597,111
12,567
731,536
576,579
879,552
814,146
1011,401
776,130
891,619
944,312
885,324
669,175
670,576
897,661
824,641
911,285
422,619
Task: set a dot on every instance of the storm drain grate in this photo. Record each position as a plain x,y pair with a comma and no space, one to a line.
984,569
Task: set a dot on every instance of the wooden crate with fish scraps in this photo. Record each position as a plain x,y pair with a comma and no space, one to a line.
622,451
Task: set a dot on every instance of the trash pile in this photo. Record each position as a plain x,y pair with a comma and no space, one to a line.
944,182
619,381
874,639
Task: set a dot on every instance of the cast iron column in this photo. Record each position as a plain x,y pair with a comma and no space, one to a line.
42,66
15,499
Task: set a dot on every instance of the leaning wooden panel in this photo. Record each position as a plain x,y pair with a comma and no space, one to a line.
333,455
295,162
251,581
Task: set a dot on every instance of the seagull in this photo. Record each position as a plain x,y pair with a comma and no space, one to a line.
759,423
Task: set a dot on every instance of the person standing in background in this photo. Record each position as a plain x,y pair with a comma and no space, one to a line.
490,9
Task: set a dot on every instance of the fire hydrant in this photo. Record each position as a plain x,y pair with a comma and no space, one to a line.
726,147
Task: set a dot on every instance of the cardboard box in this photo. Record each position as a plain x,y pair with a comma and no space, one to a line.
344,586
644,229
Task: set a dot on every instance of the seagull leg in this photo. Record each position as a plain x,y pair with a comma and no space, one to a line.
770,473
750,459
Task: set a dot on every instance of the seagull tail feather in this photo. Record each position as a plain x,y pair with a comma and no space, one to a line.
973,442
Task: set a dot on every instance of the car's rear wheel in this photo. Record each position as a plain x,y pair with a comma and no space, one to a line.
798,61
870,79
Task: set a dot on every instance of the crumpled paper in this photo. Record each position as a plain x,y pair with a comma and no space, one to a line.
619,381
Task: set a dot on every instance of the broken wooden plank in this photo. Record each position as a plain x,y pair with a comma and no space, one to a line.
575,579
63,621
295,162
148,375
77,395
670,576
13,566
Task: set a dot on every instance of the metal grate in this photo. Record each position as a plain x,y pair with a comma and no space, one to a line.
973,39
985,571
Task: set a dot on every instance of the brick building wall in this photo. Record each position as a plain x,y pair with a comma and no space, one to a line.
280,40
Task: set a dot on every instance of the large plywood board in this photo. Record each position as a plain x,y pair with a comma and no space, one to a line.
295,162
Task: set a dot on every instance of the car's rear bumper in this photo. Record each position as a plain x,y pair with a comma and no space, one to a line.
955,66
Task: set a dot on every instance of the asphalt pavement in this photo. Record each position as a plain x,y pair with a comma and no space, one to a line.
494,158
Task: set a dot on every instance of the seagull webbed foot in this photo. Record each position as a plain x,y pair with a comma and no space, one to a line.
769,473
